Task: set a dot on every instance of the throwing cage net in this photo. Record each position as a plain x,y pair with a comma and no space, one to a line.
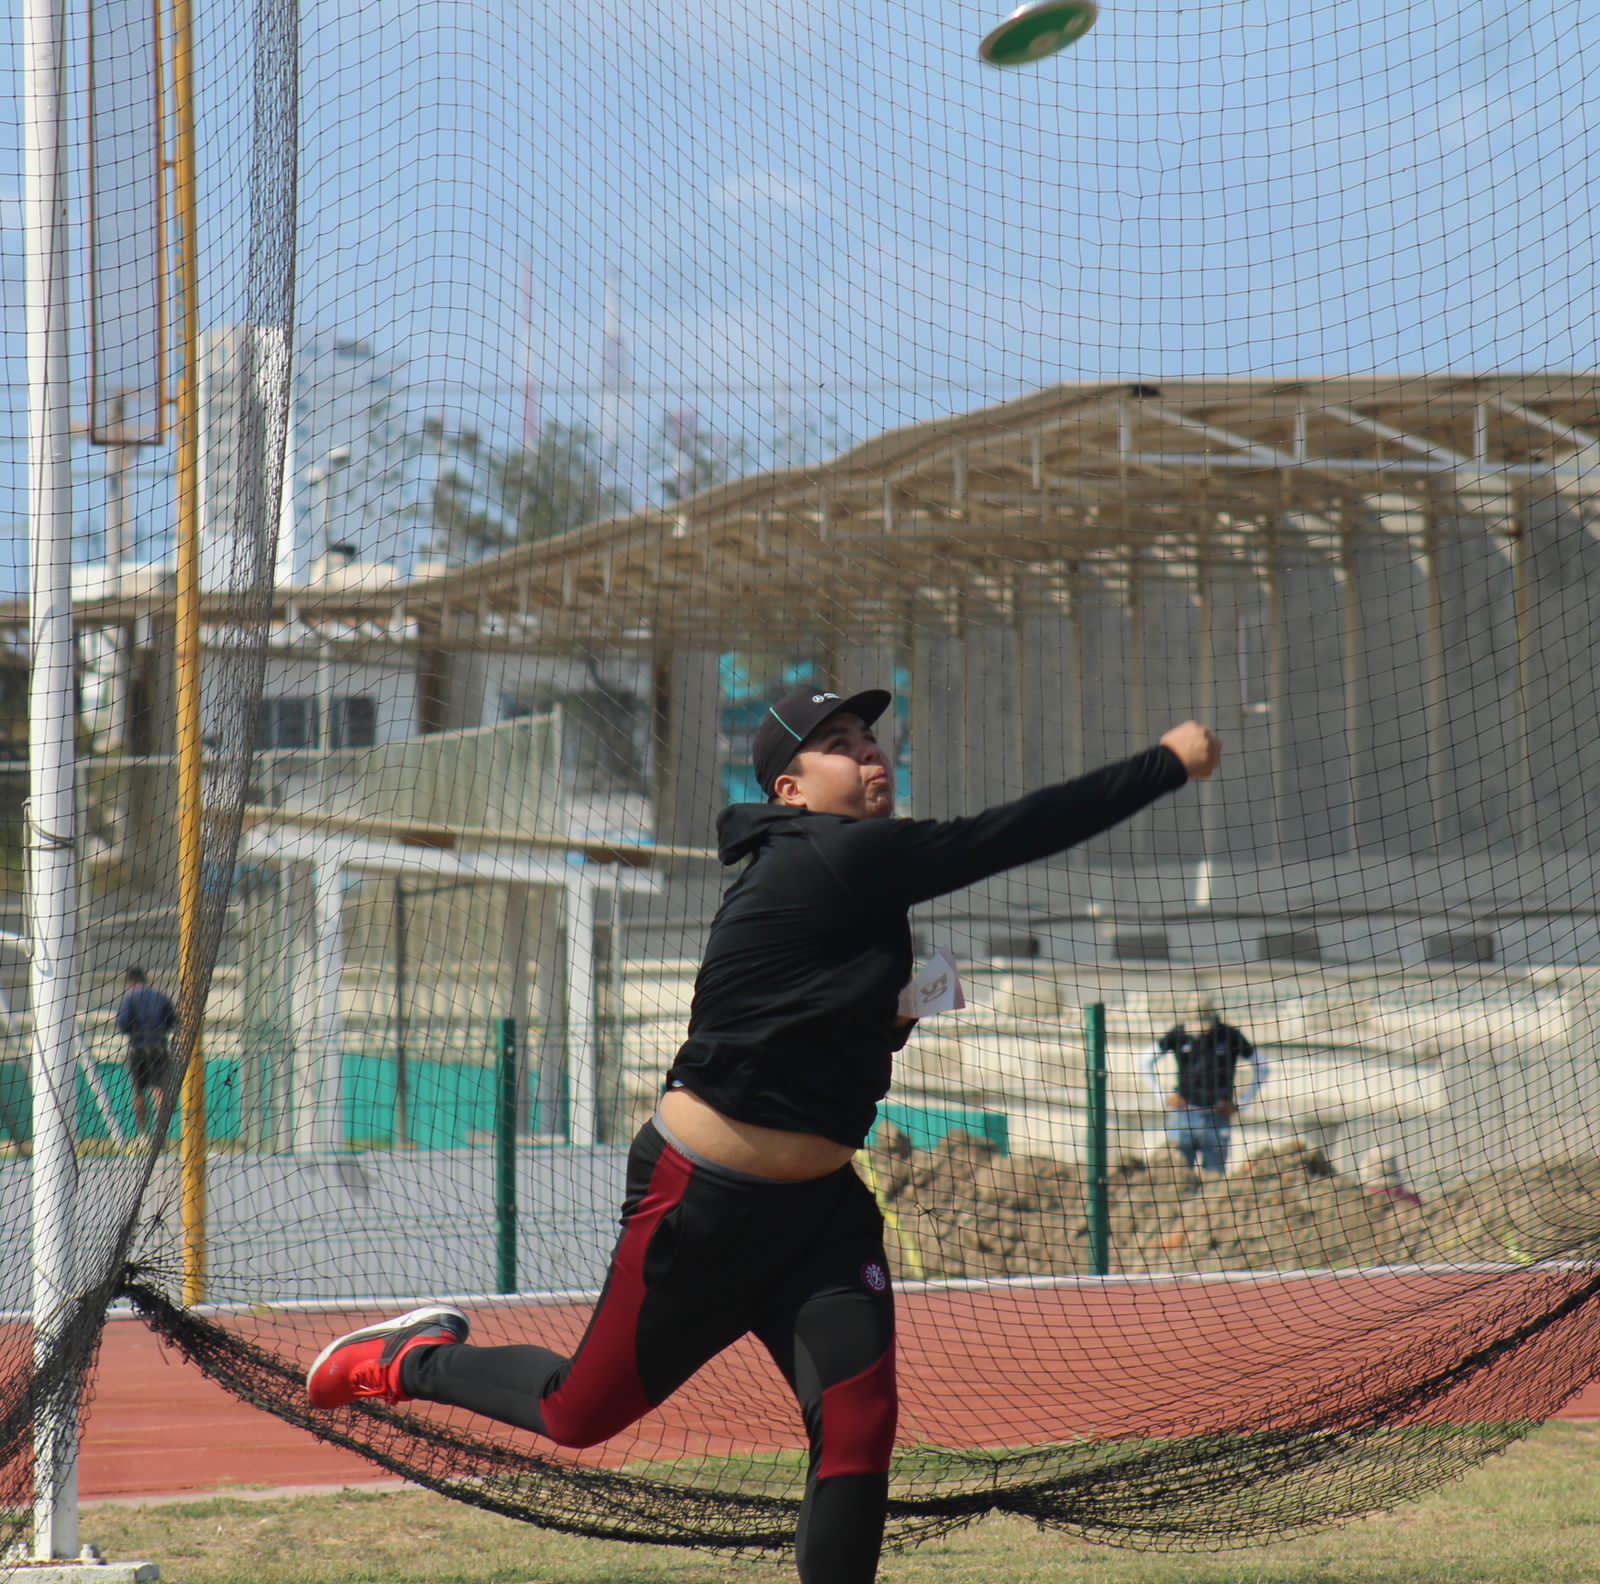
552,390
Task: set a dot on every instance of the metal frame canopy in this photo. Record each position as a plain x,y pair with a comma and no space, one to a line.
1001,505
999,508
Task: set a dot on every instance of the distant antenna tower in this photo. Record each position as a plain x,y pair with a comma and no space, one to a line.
530,382
615,429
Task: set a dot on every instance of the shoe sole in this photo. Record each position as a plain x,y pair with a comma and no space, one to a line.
434,1312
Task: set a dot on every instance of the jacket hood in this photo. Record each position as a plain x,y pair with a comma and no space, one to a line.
743,827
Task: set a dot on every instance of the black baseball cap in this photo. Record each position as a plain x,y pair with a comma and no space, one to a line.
792,719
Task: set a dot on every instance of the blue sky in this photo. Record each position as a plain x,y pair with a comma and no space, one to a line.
832,216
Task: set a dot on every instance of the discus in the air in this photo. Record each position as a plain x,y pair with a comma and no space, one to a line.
1037,30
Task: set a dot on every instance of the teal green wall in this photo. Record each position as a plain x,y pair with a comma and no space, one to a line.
448,1103
926,1126
451,1106
16,1101
451,1103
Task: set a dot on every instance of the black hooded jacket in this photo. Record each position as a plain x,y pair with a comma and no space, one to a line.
793,1022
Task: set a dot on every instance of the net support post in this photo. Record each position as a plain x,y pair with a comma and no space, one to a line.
505,1154
52,823
1094,1035
187,667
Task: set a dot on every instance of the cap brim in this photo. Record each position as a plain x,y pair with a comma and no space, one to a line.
868,705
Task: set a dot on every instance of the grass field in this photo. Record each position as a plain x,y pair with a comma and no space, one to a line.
1529,1517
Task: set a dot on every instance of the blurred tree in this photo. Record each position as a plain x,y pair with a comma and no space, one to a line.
554,484
459,516
803,434
691,457
470,499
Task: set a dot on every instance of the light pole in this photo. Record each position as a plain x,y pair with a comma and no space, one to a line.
336,461
322,477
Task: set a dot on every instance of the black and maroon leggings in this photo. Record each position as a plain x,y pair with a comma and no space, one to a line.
707,1254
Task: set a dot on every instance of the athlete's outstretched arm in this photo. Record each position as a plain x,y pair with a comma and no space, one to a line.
910,861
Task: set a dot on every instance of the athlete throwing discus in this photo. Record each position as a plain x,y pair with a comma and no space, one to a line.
743,1212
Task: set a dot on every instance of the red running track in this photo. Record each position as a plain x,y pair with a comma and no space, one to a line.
1168,1358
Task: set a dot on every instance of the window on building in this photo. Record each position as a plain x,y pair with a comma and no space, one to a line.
287,724
14,712
605,734
355,722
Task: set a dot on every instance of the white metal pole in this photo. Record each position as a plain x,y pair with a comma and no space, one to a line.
286,1061
549,986
1356,716
305,1007
1436,702
1077,711
52,765
1277,697
583,1078
321,1100
1210,706
1524,809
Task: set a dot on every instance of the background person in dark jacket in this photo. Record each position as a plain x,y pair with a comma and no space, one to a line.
148,1019
743,1212
1206,1099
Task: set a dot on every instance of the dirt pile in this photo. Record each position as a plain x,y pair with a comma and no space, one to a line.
964,1210
1550,1211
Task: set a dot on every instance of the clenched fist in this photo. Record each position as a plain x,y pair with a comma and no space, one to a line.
1196,746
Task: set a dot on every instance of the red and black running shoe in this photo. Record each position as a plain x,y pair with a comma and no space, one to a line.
366,1363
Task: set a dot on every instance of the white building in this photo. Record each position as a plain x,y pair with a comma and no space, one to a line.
346,462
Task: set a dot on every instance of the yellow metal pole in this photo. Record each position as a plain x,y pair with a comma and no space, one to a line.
190,831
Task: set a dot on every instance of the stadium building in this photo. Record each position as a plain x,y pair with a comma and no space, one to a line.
1378,591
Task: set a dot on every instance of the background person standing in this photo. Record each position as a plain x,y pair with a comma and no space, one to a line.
1202,1106
147,1017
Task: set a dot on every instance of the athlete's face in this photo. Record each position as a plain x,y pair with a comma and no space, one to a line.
841,769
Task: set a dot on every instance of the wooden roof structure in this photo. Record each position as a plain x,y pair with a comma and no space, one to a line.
999,507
